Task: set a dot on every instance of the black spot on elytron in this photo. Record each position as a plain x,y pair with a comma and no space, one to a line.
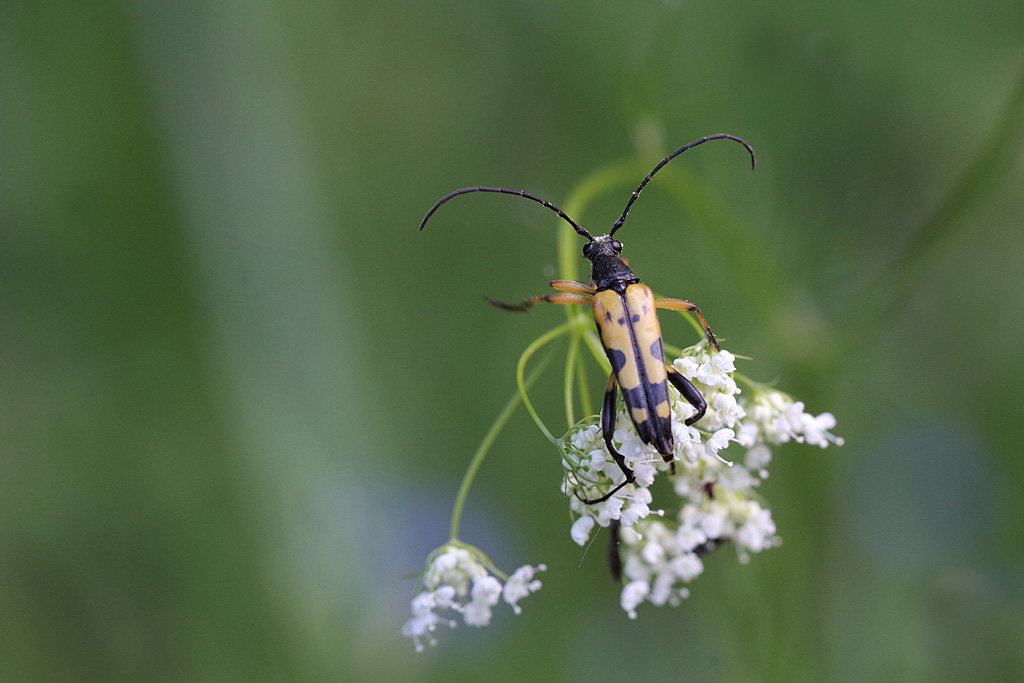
657,393
636,317
637,398
657,350
622,321
618,360
607,315
634,398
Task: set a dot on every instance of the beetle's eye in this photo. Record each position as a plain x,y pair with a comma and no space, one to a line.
588,249
617,246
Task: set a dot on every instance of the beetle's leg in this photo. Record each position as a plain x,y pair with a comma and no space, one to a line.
559,298
683,305
608,414
575,293
608,411
614,559
689,392
573,286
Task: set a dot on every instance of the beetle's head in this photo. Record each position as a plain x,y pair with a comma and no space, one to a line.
609,271
602,247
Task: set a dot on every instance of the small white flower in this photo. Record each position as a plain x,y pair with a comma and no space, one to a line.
758,532
637,509
687,367
661,591
747,433
758,458
718,441
683,434
736,479
521,584
727,410
713,523
424,620
789,422
633,593
584,438
687,567
486,592
816,432
724,361
653,552
455,567
581,528
690,536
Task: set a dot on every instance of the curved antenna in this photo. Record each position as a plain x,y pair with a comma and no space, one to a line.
670,157
518,193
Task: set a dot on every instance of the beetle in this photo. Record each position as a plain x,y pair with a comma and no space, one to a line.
624,312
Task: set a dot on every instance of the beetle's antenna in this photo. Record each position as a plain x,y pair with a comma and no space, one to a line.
520,193
670,157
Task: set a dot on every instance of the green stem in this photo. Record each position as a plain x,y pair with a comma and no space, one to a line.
571,361
597,350
581,381
485,446
521,368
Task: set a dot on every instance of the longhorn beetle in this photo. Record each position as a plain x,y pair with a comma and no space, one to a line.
624,310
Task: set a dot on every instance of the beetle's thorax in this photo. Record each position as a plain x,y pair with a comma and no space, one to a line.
609,271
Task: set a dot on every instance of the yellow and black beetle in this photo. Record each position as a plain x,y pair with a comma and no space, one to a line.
624,310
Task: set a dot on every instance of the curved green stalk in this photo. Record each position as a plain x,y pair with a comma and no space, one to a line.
485,446
521,368
581,381
597,350
571,362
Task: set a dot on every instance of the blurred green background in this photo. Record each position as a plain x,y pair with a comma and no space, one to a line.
239,389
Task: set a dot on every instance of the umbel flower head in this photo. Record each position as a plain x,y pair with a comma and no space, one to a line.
660,551
461,579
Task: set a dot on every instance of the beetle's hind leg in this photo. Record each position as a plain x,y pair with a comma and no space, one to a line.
570,292
683,305
614,559
608,411
689,393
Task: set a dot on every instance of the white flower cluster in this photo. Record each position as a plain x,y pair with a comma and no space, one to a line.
717,504
460,578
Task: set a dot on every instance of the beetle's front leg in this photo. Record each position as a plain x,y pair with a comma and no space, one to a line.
573,286
570,292
683,305
689,393
608,411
